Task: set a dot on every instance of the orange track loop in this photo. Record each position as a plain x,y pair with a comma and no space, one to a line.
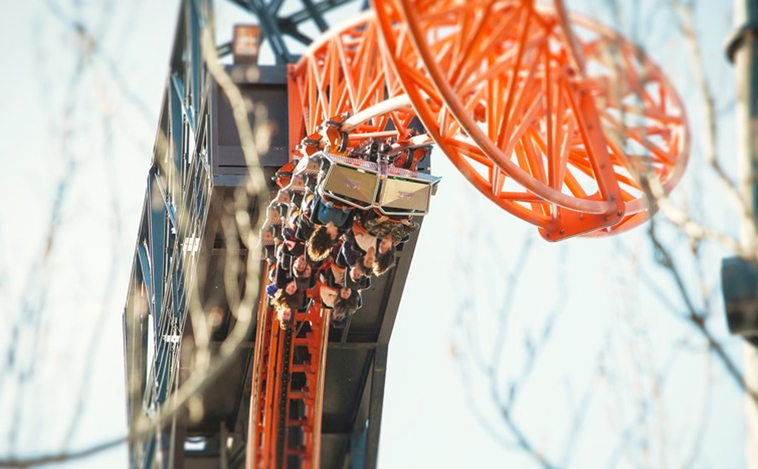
510,103
500,76
552,127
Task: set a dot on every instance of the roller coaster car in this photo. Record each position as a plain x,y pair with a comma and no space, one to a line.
365,184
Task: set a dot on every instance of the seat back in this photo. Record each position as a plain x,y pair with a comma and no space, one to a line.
365,184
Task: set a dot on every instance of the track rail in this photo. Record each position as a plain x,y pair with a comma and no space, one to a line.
556,127
288,389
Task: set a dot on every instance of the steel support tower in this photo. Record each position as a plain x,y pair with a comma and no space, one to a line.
197,168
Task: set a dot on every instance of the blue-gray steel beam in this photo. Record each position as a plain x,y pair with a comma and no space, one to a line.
271,31
155,239
275,27
195,22
315,15
303,15
177,191
144,261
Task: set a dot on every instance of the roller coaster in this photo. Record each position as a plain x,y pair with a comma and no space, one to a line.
557,119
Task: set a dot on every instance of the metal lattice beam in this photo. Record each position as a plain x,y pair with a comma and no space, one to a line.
275,26
174,210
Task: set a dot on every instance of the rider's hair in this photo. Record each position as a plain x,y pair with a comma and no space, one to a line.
383,262
320,243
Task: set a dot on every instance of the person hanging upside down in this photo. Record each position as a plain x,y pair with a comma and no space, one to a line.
374,255
303,271
286,301
347,303
330,222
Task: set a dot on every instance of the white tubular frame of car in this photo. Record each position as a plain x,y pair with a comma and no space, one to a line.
365,184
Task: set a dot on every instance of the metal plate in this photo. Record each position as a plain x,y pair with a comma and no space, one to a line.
352,184
408,195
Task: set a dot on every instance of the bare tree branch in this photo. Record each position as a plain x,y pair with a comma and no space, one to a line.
239,227
685,12
697,318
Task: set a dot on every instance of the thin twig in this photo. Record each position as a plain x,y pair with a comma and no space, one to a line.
685,12
697,319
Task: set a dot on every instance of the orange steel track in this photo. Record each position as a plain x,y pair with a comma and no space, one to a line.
554,134
344,72
555,126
